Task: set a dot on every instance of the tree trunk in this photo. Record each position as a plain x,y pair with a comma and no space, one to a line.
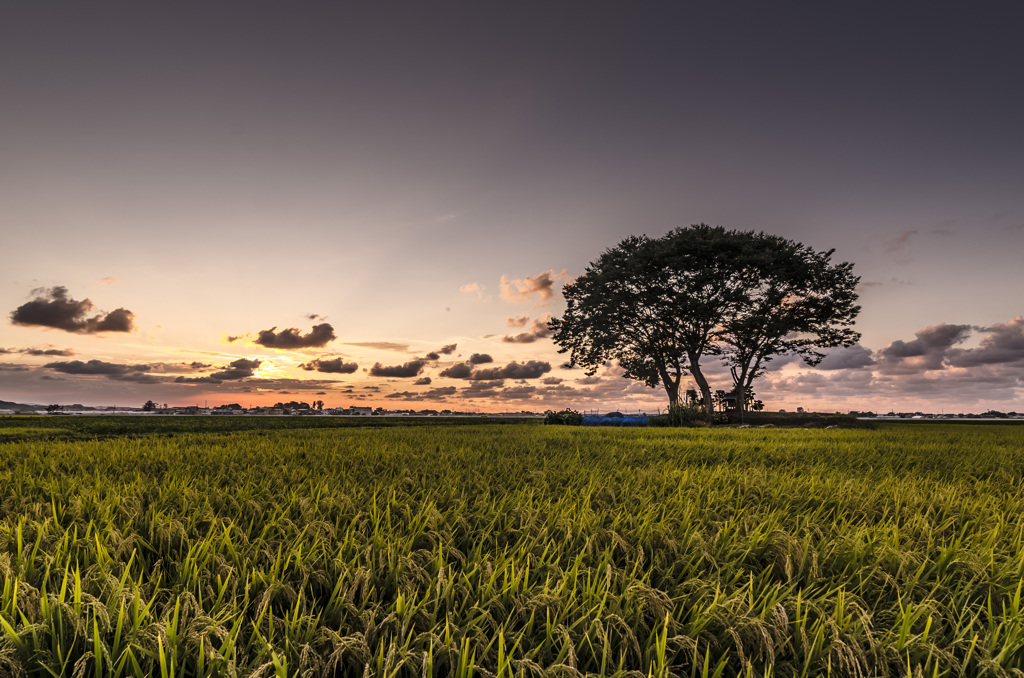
702,384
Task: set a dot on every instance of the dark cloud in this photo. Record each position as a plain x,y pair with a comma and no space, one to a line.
332,366
381,345
232,338
237,369
1004,344
197,380
314,316
422,381
409,369
459,371
514,370
58,352
176,368
926,352
432,394
13,367
292,338
62,352
52,307
95,367
480,359
853,357
523,290
444,350
538,330
551,381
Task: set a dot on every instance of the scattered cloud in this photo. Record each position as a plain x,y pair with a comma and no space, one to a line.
409,369
538,330
444,350
854,357
541,285
110,280
331,366
1004,344
381,345
458,371
57,352
422,381
95,367
514,370
475,289
115,371
518,322
480,359
237,369
53,307
292,338
926,352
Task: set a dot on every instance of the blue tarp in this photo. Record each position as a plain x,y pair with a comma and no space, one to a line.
626,420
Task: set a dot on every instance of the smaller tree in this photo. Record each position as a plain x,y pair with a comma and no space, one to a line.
149,406
54,408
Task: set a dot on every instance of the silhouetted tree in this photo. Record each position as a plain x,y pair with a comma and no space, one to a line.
660,306
149,406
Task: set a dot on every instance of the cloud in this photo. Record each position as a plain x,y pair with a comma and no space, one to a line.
528,370
444,350
237,369
13,367
232,338
422,381
538,330
115,371
314,316
1004,344
110,279
432,394
927,352
518,322
475,288
459,371
524,290
291,338
94,367
381,345
551,381
855,356
52,307
197,380
332,366
409,369
61,352
480,359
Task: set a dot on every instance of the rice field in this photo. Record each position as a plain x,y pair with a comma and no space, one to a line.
504,550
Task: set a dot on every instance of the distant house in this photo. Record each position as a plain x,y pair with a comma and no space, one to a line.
360,411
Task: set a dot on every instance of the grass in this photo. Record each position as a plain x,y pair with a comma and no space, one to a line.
515,550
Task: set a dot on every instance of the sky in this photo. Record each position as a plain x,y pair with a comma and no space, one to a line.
377,204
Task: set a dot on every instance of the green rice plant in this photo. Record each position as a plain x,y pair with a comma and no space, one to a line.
515,551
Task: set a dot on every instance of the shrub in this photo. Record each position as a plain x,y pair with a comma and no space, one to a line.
688,415
566,417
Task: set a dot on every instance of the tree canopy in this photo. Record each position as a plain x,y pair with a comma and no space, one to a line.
659,306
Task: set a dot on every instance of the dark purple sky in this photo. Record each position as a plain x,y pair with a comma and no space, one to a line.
215,159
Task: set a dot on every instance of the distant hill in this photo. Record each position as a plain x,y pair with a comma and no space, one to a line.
8,405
